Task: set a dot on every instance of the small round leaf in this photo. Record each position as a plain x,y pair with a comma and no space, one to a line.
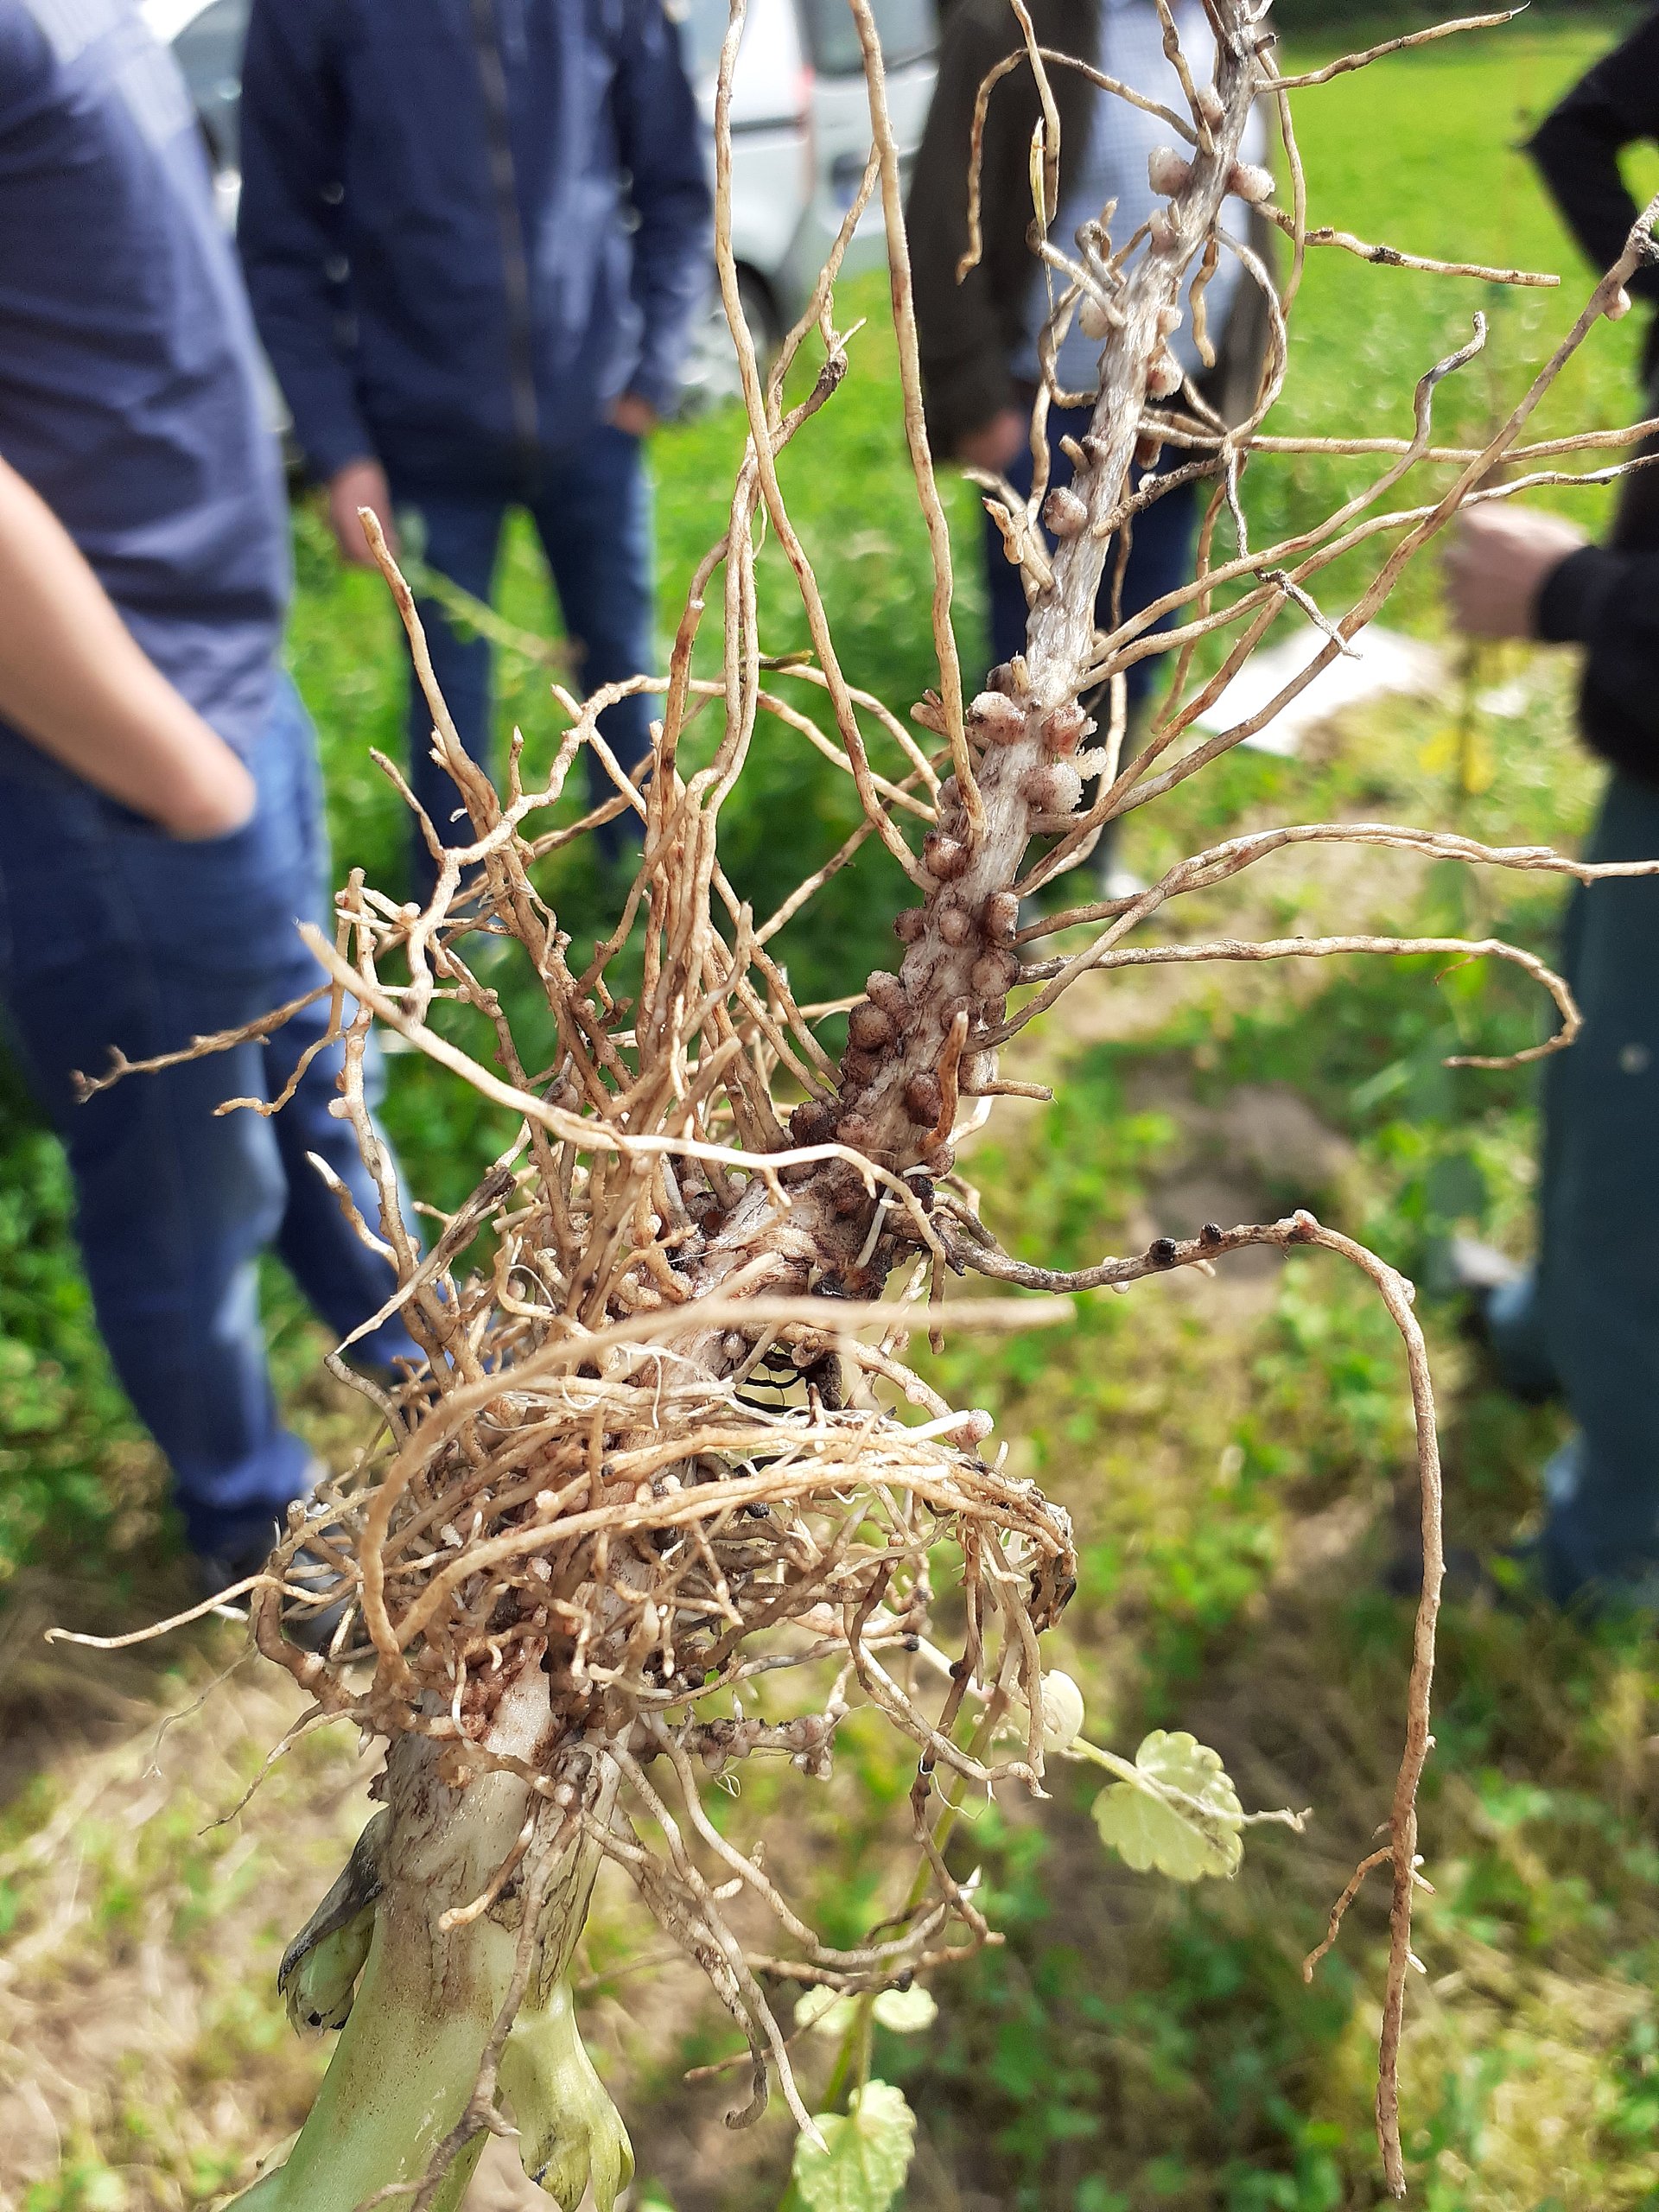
1184,1820
868,2154
906,2011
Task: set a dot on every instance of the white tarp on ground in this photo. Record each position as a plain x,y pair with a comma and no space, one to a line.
1386,662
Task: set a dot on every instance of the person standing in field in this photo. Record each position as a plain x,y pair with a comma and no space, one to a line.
979,337
1583,1322
161,824
476,233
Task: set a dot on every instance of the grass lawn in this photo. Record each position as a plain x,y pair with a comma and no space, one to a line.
1236,1455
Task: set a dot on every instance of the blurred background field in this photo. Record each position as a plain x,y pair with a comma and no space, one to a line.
1236,1454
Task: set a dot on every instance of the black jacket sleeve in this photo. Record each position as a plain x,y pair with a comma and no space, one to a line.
1578,145
1608,602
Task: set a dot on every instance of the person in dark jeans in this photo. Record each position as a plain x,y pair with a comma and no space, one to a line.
978,337
160,824
475,244
1583,1323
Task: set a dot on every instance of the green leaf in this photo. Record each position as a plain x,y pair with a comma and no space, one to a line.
906,2011
1185,1839
868,2154
823,2012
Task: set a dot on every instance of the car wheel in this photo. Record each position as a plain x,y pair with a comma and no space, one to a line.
710,377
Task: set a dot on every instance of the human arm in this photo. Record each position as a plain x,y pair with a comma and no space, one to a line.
360,484
659,142
1514,572
1578,145
287,225
1499,562
74,681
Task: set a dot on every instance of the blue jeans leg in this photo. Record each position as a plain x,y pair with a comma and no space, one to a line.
461,537
163,941
1598,1272
1160,555
592,508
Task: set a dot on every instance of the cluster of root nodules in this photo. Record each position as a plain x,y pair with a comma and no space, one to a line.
705,1571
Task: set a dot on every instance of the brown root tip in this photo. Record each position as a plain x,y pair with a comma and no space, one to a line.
1148,450
908,925
956,925
857,1132
858,1070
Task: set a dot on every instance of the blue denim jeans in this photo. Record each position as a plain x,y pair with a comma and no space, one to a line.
591,506
1160,555
112,934
1587,1319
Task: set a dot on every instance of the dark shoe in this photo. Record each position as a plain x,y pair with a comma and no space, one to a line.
1477,1269
309,1622
1499,1315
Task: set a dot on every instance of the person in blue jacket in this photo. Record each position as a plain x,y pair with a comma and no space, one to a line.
161,826
476,233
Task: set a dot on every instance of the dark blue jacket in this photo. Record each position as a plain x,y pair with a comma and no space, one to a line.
130,392
468,225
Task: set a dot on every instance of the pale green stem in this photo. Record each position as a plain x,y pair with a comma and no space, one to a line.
411,2054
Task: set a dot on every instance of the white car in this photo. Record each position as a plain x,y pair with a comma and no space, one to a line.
800,136
800,139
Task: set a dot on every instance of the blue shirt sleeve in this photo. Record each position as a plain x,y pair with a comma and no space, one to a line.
287,232
660,139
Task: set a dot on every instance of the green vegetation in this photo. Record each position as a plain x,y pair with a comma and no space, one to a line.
1236,1454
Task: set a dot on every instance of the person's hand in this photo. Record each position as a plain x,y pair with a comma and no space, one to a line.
994,444
217,795
1498,562
359,483
635,416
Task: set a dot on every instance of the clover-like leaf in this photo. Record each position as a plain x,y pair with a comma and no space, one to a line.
868,2154
824,2012
1196,1831
906,2011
